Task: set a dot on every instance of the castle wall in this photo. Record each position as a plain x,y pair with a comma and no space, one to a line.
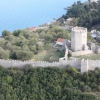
83,65
98,36
93,64
93,47
78,53
16,63
13,63
68,43
73,63
87,65
97,49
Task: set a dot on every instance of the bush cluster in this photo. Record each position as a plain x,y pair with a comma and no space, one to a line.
48,84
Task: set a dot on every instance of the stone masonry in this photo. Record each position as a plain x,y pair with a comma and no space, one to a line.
79,39
78,45
82,65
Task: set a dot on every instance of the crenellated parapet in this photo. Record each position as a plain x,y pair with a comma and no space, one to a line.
83,65
79,30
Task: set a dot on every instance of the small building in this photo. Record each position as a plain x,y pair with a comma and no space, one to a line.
31,29
69,19
59,42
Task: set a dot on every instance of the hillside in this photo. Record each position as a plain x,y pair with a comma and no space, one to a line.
26,45
84,14
48,84
36,45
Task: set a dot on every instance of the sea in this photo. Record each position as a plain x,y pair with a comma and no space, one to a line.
20,14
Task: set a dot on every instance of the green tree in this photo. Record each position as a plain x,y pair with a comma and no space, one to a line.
24,55
6,33
4,54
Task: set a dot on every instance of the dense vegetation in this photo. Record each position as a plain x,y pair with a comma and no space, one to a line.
84,14
48,84
23,45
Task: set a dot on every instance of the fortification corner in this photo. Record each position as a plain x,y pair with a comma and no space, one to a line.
84,66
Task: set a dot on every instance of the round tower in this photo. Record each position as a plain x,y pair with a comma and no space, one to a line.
79,39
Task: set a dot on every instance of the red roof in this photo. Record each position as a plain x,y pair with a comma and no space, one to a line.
59,40
32,28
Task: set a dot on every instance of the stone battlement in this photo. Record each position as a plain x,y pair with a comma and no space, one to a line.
83,65
79,29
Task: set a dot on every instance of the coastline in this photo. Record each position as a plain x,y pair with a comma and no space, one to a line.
20,19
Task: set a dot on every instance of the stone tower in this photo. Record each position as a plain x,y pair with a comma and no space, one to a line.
79,39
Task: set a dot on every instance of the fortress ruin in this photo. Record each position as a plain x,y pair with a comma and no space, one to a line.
77,46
